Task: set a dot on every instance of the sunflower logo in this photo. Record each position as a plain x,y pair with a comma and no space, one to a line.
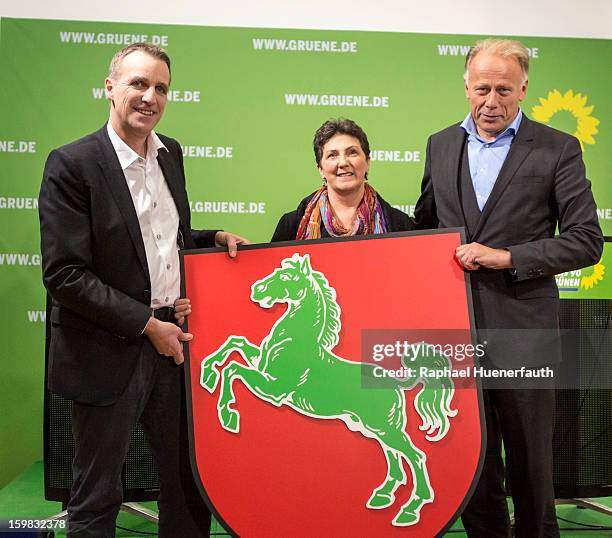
589,281
586,124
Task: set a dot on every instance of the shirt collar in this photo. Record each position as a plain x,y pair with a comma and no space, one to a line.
470,128
126,154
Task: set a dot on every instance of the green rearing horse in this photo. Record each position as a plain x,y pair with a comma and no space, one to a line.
295,366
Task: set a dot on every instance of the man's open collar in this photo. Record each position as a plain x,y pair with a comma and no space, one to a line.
126,154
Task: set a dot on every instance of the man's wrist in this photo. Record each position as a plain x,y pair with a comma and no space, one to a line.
149,325
507,261
217,241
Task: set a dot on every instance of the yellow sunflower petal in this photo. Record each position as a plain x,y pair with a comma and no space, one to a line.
576,105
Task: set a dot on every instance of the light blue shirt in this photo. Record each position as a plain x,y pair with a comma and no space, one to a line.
487,158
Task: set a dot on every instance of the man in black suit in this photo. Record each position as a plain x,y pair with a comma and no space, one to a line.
113,214
510,181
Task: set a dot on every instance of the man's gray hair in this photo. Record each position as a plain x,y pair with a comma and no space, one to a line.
151,50
506,48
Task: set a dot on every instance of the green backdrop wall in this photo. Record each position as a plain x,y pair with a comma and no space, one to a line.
245,104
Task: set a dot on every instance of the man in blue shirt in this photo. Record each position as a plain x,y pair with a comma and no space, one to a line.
487,157
510,182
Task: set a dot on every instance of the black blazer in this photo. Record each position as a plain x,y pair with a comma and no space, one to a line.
286,229
541,185
95,267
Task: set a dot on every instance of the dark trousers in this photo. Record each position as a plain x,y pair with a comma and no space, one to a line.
155,396
524,419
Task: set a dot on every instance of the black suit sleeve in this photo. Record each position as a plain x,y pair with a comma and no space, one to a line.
65,209
580,240
201,238
204,238
425,215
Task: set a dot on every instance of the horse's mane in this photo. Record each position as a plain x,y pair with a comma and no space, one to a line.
331,314
330,318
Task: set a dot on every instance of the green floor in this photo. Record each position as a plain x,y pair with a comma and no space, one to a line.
23,498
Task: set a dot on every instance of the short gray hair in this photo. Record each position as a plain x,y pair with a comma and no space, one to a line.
151,50
506,48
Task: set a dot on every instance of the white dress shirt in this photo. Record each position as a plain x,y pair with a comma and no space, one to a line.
157,216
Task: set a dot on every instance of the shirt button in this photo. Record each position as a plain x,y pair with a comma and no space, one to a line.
154,205
158,236
167,299
168,266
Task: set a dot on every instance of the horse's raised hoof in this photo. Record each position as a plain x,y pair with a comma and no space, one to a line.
406,518
230,420
380,500
210,378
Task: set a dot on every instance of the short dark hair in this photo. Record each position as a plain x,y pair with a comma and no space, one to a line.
151,50
336,126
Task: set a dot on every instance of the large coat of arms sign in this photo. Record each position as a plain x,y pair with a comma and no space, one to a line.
323,390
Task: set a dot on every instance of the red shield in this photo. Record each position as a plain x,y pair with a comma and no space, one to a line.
328,448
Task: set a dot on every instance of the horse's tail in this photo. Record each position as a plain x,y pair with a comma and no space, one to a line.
433,370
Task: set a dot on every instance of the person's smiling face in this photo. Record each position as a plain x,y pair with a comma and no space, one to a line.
138,94
494,87
344,164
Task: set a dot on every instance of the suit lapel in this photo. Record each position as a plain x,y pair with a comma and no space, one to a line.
520,148
121,193
455,149
172,174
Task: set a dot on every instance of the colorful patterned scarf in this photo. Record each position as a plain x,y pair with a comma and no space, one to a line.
370,217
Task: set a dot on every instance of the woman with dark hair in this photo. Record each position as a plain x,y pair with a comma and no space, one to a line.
346,204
